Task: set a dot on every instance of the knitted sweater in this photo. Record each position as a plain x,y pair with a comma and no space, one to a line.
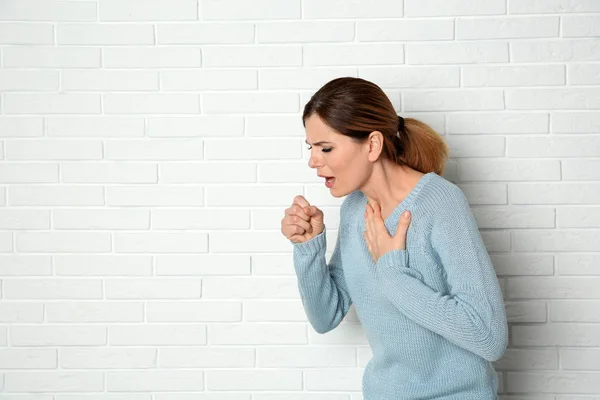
433,314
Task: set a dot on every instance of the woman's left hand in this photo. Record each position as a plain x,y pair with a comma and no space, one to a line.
379,240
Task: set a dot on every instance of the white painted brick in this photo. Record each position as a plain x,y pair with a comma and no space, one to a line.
575,122
575,311
51,57
552,6
28,173
523,264
530,75
20,312
213,357
64,242
580,359
554,193
528,359
103,396
28,359
584,74
305,32
513,217
233,10
257,334
307,396
336,379
157,335
11,219
102,265
154,149
286,172
53,149
25,265
496,241
454,100
552,287
356,9
94,126
435,8
456,53
544,99
109,173
556,50
57,335
104,34
509,170
353,54
64,103
206,33
571,240
556,146
52,289
209,80
210,219
554,382
225,103
156,196
577,264
252,56
205,264
247,196
3,340
21,80
101,219
95,80
157,242
578,217
253,149
556,334
155,381
151,57
467,146
76,312
132,358
580,170
318,195
272,311
6,242
194,312
504,123
485,194
274,125
412,77
580,26
208,173
526,311
507,28
203,126
30,195
405,30
139,10
43,10
305,78
249,287
307,357
21,126
129,103
54,381
24,33
254,380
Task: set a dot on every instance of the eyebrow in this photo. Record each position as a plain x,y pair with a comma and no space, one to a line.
318,143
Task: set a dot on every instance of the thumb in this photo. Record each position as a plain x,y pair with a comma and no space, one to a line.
313,211
403,224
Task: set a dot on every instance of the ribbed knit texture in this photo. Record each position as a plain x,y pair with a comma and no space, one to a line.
433,314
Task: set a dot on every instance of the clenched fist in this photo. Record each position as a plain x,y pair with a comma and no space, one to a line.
302,221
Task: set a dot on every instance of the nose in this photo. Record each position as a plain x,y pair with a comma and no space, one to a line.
313,161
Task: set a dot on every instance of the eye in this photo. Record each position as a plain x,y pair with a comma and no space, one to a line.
326,150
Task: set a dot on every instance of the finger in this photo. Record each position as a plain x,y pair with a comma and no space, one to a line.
296,209
301,201
290,231
403,224
296,220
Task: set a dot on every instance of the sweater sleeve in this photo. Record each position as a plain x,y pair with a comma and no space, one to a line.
322,286
472,315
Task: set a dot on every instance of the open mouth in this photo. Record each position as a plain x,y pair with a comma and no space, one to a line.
329,181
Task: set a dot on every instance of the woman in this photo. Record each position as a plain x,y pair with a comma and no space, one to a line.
409,255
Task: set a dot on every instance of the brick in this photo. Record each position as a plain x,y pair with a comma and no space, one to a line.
62,195
20,312
154,149
363,9
575,311
254,380
580,26
132,358
54,149
196,126
513,217
54,381
52,289
577,264
405,30
555,193
454,100
252,149
575,122
6,242
439,8
556,241
21,127
504,123
79,312
26,103
580,359
344,379
252,56
209,80
286,172
272,311
578,217
154,381
213,357
531,75
155,196
42,10
464,146
257,334
157,335
28,173
456,53
36,81
246,196
556,146
484,193
12,219
102,265
101,219
554,382
28,359
552,287
158,242
26,33
412,77
206,33
507,28
104,35
353,54
305,32
584,74
234,10
543,99
51,57
552,6
307,357
249,287
57,335
203,264
64,242
207,311
226,103
109,81
139,10
526,311
214,219
274,125
152,57
555,50
523,264
103,126
509,170
109,173
208,173
129,103
528,359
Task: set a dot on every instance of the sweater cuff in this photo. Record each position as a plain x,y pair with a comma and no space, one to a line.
394,263
311,246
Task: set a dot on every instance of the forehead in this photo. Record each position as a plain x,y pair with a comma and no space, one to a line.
318,131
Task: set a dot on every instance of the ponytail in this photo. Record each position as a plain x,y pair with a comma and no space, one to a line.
423,149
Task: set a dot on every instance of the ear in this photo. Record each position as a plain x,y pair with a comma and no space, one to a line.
375,143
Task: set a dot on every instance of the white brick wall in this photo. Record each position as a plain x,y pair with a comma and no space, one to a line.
149,148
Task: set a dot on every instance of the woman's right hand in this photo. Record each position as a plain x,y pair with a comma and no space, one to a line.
302,221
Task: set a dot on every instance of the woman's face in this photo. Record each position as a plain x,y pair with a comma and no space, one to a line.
337,157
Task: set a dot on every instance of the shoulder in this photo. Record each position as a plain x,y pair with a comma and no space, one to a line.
351,206
444,198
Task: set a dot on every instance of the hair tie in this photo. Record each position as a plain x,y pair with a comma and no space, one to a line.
400,124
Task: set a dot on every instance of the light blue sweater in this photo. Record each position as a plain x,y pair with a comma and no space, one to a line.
433,314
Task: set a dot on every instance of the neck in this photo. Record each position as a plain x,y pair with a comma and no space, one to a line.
389,184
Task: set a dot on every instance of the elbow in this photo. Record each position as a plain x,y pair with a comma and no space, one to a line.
496,345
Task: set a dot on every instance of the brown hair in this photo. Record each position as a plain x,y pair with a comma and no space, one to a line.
356,107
